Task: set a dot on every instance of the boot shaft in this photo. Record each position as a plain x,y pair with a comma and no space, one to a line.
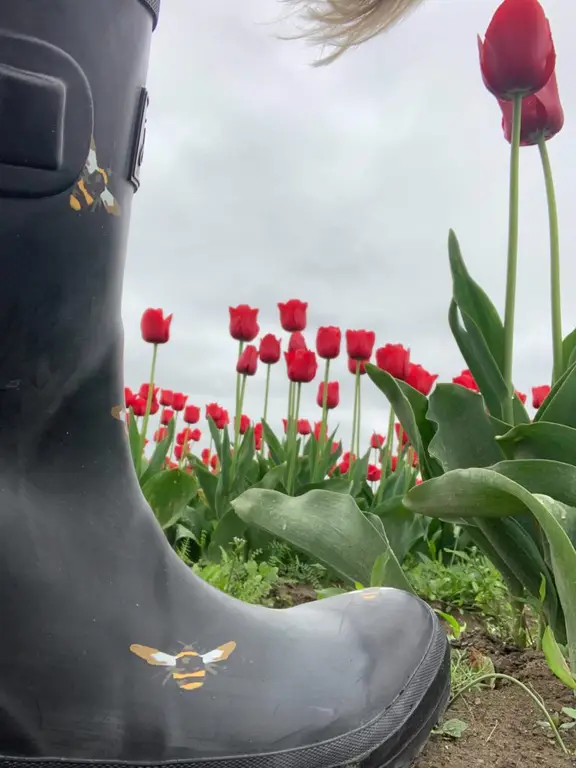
72,123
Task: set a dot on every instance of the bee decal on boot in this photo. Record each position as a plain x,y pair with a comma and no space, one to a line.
91,190
187,668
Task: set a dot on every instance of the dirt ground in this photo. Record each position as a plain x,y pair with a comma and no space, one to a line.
503,729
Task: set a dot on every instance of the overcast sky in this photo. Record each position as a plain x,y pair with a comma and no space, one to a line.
266,179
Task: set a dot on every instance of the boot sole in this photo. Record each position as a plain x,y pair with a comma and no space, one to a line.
393,739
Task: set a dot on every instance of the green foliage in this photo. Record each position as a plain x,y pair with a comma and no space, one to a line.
467,581
246,580
511,486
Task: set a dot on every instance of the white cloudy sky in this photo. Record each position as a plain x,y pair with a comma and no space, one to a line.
267,179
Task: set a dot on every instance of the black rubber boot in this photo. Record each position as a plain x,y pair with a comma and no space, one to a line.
107,640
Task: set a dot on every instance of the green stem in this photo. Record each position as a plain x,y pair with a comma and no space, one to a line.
389,444
238,404
354,417
556,299
325,403
512,264
266,393
173,444
293,445
148,407
321,448
358,412
535,698
184,454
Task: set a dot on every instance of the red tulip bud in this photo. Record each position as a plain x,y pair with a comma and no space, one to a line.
155,327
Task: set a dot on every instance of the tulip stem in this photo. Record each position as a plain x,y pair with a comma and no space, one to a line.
148,408
358,412
323,426
354,417
238,403
512,263
266,393
556,298
293,433
385,456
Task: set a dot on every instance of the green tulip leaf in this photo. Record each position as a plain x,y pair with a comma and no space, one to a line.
569,350
478,357
410,406
159,456
168,493
540,440
475,304
465,436
328,526
404,529
476,493
276,450
560,405
555,659
550,478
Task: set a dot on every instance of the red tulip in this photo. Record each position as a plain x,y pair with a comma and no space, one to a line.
318,428
421,379
129,397
248,361
155,328
145,389
243,322
258,436
393,463
373,474
542,115
465,379
205,456
178,449
166,398
139,406
359,344
377,441
154,406
285,424
195,435
353,365
191,414
344,465
269,349
332,397
296,341
539,394
397,428
303,427
521,396
328,340
214,461
517,55
394,359
160,434
179,401
244,423
302,365
219,415
166,416
183,436
293,315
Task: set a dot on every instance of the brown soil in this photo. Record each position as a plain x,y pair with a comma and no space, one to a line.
503,729
286,595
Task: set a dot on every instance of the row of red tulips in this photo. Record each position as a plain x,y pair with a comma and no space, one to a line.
301,367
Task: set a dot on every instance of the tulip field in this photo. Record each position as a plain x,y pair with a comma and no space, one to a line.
468,499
